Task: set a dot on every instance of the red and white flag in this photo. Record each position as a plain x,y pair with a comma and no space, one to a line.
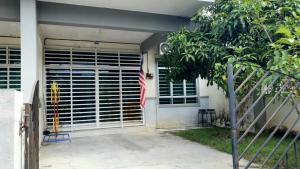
142,82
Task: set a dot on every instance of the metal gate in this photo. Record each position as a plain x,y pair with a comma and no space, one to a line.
246,118
98,89
31,127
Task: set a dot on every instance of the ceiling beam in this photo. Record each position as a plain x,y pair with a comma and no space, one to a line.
84,16
153,41
10,10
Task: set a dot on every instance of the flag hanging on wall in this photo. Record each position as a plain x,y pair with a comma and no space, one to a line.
142,82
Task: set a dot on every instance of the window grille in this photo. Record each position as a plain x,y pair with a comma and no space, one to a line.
98,88
183,92
10,68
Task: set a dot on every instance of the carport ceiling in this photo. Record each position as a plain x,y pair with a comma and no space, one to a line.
93,34
185,8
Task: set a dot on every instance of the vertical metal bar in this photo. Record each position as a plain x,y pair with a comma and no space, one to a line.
171,90
71,86
296,154
198,90
97,97
287,160
121,99
96,55
120,91
97,91
233,117
8,67
184,91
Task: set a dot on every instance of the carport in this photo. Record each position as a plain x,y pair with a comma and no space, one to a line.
133,149
98,74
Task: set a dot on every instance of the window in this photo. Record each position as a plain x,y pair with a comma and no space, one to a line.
10,68
184,92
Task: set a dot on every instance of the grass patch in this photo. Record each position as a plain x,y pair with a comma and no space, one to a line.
220,139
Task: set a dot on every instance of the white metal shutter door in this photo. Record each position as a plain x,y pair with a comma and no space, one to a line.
99,89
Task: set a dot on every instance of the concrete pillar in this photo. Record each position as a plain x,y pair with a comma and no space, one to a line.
29,48
10,140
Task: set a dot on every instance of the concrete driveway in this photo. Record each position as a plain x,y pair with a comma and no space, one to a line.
133,150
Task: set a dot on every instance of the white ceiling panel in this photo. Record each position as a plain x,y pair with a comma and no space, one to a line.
185,8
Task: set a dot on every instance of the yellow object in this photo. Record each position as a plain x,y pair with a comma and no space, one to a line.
55,93
55,98
55,124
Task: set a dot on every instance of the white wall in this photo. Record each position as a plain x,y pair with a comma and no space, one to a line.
217,99
10,117
150,62
178,116
40,49
15,42
29,48
282,113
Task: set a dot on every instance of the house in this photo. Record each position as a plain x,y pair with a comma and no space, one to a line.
93,50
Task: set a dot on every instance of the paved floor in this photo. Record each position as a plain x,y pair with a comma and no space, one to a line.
136,150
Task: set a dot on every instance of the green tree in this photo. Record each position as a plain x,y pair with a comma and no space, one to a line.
263,33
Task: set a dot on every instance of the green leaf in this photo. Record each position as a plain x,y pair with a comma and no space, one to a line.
285,41
284,31
297,31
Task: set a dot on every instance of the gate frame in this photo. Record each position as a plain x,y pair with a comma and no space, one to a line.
233,118
31,125
234,106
